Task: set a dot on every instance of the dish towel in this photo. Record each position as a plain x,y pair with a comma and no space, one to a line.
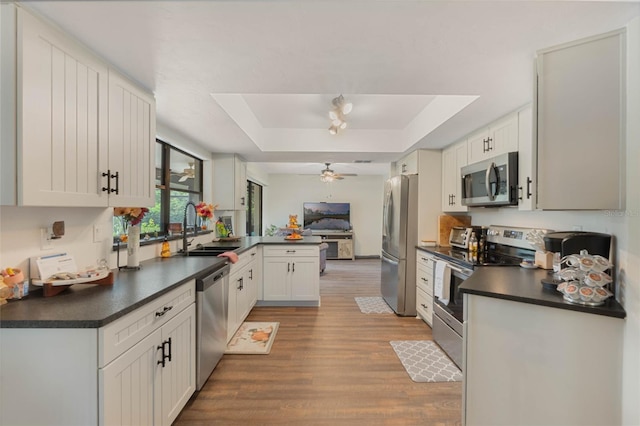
442,282
229,255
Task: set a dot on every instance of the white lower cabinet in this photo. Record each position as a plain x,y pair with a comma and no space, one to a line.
243,290
291,274
424,286
152,381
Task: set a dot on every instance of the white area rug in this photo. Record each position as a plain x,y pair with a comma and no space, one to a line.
253,338
425,361
373,305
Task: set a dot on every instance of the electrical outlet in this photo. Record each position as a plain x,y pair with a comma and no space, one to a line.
97,233
45,239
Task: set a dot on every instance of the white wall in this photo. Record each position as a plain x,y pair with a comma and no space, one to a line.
286,193
624,225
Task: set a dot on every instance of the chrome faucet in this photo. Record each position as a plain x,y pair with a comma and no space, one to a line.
185,244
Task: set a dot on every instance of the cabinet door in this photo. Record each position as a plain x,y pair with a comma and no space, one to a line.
503,136
132,135
276,278
232,310
526,161
408,165
128,385
305,281
345,249
453,159
478,146
62,114
580,124
240,172
179,371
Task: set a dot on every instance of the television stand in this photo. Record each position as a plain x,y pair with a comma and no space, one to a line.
340,244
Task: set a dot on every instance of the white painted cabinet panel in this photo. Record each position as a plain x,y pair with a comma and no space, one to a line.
128,385
229,182
77,134
498,138
131,144
243,290
526,161
408,165
179,372
453,159
61,119
291,274
580,99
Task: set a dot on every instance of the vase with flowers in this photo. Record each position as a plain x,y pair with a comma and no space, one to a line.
205,213
130,218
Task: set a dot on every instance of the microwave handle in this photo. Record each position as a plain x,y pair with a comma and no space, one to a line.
487,183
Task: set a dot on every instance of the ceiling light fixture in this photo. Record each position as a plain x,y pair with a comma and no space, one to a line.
340,108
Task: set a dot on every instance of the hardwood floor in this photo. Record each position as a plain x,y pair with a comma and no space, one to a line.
330,365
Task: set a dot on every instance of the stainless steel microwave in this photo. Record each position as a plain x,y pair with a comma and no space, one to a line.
492,182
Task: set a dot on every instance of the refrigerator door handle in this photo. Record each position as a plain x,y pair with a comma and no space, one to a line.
385,213
389,259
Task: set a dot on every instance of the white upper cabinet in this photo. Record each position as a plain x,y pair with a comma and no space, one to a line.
526,161
57,136
453,159
408,165
229,182
132,129
499,138
580,124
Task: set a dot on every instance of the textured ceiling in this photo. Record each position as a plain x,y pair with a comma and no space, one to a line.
278,64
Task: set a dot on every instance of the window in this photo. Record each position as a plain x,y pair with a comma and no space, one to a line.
254,209
178,181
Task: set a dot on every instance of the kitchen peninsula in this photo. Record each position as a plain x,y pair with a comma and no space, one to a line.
97,341
541,358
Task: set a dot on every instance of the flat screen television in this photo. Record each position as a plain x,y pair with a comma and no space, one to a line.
327,216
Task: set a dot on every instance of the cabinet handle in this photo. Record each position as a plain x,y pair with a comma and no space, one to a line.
161,362
240,284
242,201
288,267
453,199
117,178
108,176
291,251
520,191
250,274
529,182
423,305
293,267
489,147
404,168
170,351
164,311
423,279
485,144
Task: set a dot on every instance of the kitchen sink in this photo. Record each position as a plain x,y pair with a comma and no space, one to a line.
211,250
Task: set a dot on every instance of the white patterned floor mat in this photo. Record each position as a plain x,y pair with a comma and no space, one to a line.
425,361
373,305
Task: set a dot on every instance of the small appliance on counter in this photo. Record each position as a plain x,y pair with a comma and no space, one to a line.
460,236
571,242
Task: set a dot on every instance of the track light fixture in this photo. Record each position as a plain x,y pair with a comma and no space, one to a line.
339,108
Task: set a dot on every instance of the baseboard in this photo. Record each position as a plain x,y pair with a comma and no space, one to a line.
372,256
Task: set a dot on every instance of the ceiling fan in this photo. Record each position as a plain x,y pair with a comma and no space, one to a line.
328,175
188,173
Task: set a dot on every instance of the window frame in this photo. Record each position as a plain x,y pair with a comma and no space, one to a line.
165,195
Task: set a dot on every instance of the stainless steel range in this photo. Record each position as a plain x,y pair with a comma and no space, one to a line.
505,246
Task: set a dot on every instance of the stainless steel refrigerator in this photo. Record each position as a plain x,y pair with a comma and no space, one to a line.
399,240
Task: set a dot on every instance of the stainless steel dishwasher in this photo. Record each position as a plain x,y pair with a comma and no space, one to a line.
211,328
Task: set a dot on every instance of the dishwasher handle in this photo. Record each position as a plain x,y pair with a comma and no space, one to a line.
206,281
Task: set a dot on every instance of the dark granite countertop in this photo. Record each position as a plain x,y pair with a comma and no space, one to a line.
93,306
523,285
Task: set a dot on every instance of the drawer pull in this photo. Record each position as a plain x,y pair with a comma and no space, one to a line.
291,251
424,306
164,311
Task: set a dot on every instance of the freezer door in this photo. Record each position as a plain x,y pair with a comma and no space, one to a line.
389,280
